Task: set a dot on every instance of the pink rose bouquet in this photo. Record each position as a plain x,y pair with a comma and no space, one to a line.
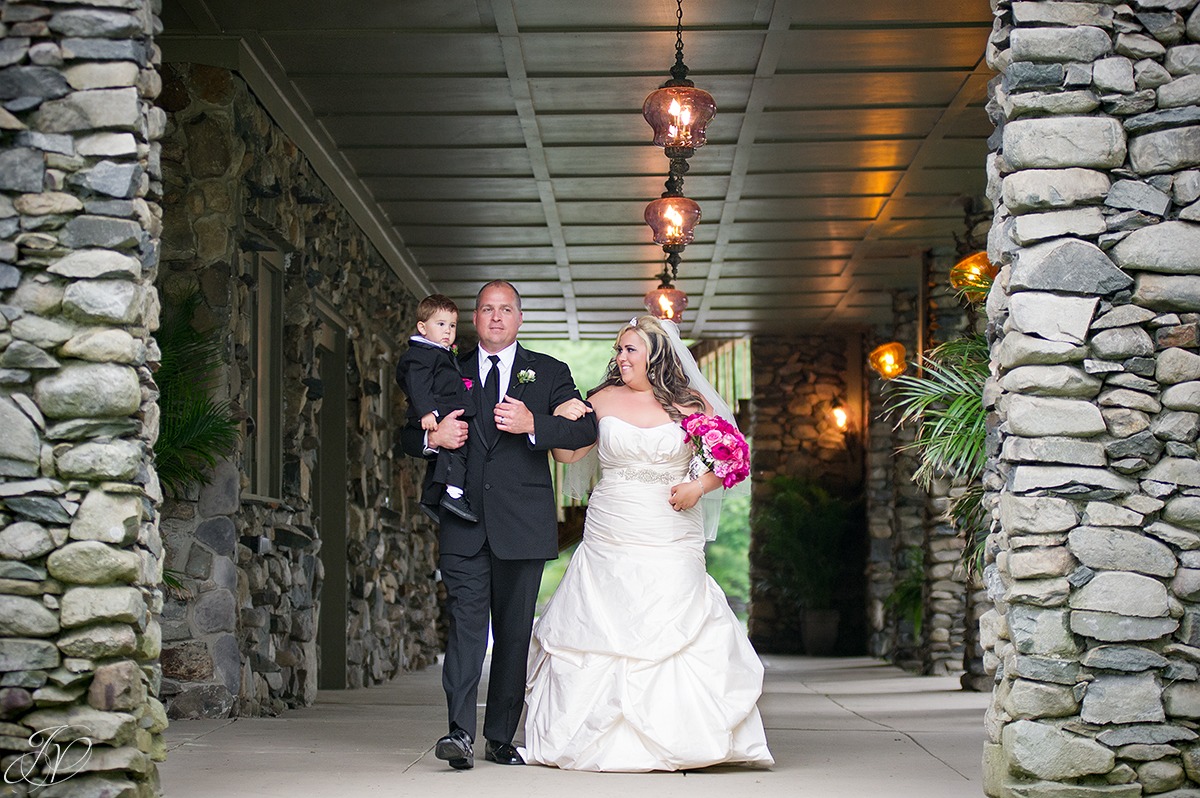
719,447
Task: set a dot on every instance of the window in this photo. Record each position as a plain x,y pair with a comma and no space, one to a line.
262,319
726,364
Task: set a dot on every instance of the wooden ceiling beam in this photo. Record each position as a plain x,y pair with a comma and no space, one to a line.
514,62
760,92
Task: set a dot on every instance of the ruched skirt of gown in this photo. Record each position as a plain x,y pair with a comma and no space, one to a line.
638,663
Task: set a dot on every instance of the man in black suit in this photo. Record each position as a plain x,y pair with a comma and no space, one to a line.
494,567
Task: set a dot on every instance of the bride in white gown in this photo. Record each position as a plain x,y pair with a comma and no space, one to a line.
638,663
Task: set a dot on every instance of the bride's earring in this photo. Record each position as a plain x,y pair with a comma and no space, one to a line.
650,374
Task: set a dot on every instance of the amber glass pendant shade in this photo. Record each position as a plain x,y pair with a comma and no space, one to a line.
673,220
888,360
679,116
666,302
973,275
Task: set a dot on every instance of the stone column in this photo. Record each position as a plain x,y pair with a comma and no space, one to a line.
1096,573
79,545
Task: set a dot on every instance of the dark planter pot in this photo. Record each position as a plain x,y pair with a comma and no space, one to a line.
819,631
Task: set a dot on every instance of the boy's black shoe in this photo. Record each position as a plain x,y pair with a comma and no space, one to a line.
431,510
459,507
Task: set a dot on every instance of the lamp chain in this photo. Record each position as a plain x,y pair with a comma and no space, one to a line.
680,70
674,184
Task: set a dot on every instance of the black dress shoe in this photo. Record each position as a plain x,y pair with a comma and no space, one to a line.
455,748
459,507
502,753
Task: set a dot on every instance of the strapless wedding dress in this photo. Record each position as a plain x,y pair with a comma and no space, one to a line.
638,663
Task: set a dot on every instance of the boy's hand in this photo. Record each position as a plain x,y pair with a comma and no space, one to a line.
429,422
574,409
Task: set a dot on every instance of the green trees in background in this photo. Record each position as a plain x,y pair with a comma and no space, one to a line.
588,360
729,555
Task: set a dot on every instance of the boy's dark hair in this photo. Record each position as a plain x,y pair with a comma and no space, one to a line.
432,304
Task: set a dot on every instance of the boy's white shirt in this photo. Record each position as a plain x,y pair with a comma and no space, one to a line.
422,339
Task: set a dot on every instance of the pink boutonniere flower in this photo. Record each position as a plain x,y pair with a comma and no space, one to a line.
467,383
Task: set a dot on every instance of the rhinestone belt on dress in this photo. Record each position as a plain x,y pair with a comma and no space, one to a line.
636,474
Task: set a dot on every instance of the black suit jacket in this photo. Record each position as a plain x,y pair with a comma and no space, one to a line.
508,478
431,379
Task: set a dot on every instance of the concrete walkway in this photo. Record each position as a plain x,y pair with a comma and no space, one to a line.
837,727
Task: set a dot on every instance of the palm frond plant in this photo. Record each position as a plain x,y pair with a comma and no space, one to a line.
946,406
194,428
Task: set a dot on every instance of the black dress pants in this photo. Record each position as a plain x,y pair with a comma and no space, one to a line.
478,586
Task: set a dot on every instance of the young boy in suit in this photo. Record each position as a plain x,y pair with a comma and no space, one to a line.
430,375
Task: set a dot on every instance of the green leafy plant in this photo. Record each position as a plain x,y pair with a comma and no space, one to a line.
804,526
907,597
194,428
173,580
946,405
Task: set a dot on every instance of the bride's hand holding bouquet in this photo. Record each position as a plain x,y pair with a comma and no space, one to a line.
721,458
719,448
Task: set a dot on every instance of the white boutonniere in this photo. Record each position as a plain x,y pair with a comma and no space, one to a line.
526,376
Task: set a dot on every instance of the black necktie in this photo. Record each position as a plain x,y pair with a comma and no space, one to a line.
491,384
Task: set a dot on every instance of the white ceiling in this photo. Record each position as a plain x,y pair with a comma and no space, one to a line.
477,139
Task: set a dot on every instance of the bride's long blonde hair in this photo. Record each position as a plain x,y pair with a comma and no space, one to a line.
668,383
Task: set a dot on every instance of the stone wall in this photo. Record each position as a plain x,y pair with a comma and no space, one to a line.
796,380
80,553
244,639
1095,321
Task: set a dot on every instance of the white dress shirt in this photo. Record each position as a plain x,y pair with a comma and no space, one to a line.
507,355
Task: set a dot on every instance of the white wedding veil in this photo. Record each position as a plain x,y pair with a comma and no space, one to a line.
580,476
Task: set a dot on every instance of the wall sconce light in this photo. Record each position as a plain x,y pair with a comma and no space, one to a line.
888,360
667,301
841,418
973,275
